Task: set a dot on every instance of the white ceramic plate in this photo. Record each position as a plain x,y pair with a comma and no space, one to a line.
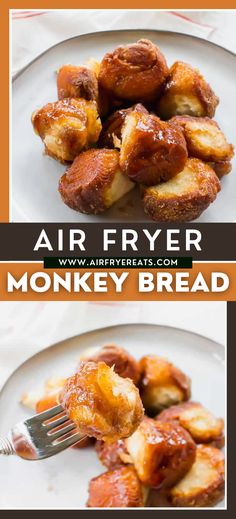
34,178
62,481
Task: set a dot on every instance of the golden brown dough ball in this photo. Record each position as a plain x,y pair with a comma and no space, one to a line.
162,384
184,197
186,92
203,426
162,453
203,485
152,150
134,72
67,126
221,168
101,403
77,82
94,182
105,102
119,488
113,455
110,136
204,138
124,364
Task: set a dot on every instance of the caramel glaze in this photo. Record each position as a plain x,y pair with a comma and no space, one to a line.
135,72
184,80
195,130
119,488
221,168
186,206
82,185
154,151
210,430
102,404
77,82
73,124
203,486
172,453
156,372
43,118
113,125
110,454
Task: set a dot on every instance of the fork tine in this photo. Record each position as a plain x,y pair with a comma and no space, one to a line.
56,422
62,431
70,440
45,415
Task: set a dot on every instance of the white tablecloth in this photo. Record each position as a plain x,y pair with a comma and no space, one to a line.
35,31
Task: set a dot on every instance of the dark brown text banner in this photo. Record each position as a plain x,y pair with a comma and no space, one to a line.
34,241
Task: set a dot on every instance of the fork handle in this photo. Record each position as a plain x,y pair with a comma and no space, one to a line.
6,447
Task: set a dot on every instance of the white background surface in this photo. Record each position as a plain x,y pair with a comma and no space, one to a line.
28,327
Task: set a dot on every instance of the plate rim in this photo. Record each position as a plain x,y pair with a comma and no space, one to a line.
93,33
222,347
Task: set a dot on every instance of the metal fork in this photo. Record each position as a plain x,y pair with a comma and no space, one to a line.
41,436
